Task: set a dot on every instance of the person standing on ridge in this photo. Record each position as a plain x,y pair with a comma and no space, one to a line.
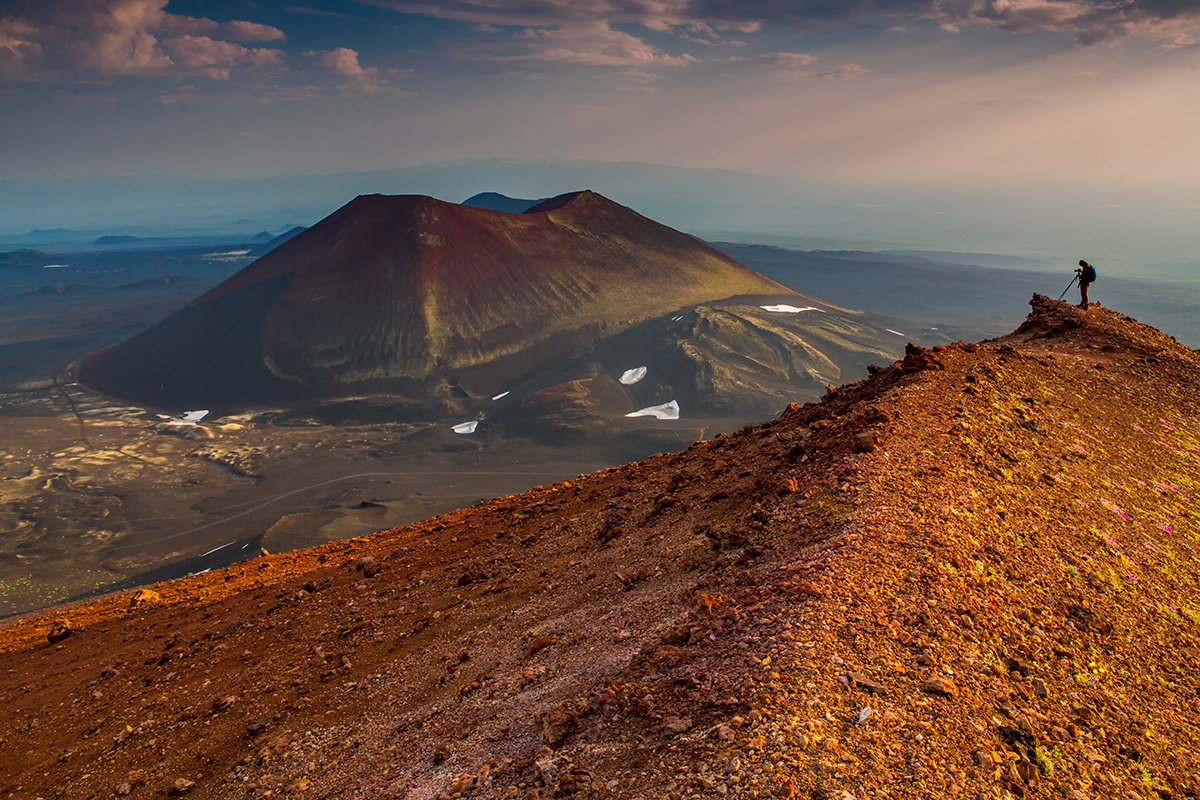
1087,274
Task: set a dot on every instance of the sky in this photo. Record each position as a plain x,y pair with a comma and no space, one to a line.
1085,98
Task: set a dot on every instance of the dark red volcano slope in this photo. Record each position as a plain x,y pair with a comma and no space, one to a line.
403,292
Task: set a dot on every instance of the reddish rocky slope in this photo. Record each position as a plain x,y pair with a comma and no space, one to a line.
972,574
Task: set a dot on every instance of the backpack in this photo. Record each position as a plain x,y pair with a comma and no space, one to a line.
1088,273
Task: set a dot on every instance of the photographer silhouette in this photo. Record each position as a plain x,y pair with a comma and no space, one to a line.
1086,274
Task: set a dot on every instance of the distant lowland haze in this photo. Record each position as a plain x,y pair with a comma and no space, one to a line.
1045,129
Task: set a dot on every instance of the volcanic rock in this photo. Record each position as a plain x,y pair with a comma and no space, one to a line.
181,786
59,630
919,358
184,430
144,597
673,726
942,686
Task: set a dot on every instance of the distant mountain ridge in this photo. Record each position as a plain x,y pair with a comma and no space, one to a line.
265,246
500,202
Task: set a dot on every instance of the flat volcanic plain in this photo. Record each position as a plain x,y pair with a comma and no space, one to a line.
95,495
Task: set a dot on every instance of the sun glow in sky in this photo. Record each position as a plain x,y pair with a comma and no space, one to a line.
1024,95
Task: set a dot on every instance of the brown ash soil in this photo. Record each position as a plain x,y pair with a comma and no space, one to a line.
971,575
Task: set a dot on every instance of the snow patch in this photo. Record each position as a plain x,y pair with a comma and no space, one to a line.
676,319
55,266
898,333
665,411
229,255
465,427
215,549
784,308
631,376
186,418
500,396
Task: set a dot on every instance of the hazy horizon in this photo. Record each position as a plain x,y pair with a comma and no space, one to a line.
1149,241
1039,128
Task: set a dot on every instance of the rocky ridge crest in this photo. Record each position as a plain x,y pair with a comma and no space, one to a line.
971,575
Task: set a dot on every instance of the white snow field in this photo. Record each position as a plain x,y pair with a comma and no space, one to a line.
665,411
631,376
186,418
784,308
228,255
465,427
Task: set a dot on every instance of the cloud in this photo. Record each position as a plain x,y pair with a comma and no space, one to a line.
1087,21
235,30
593,44
793,66
357,79
312,12
659,15
634,81
214,58
583,32
844,73
578,32
80,39
18,45
342,61
791,60
242,31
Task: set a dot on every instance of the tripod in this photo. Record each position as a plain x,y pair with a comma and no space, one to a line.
1069,285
